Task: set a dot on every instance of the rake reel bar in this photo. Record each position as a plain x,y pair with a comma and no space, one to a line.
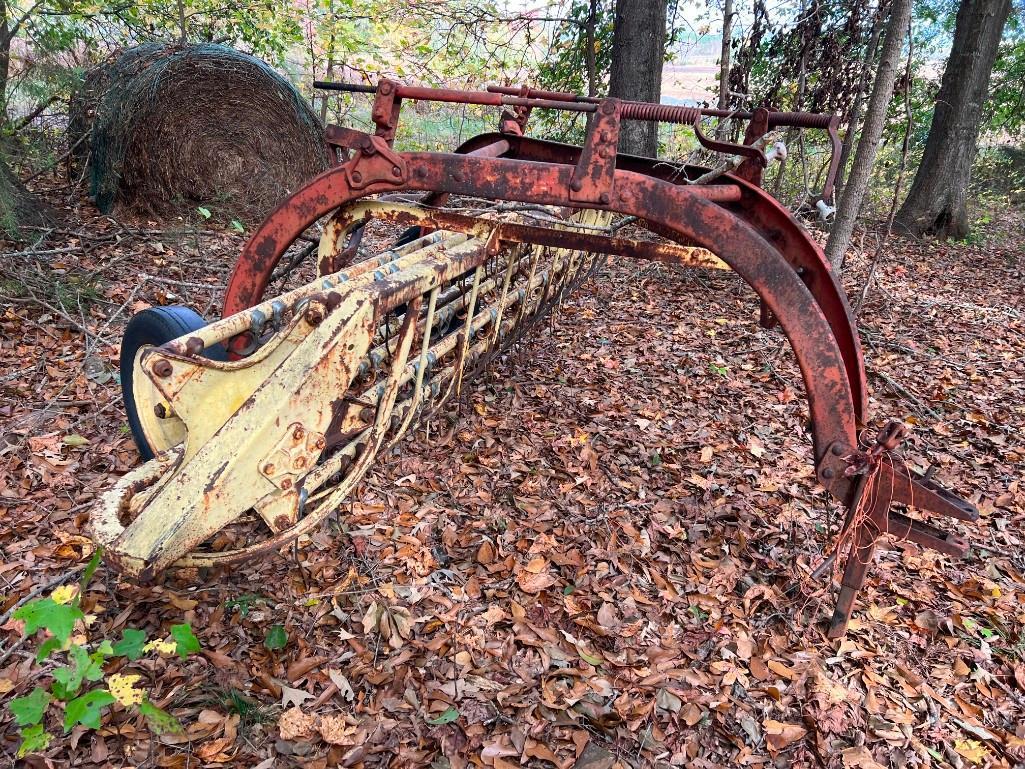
328,374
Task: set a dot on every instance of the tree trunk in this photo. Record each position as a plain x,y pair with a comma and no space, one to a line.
724,55
638,49
937,201
854,120
589,60
5,59
871,133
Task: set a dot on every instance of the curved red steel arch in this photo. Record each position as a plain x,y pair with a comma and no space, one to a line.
756,207
684,212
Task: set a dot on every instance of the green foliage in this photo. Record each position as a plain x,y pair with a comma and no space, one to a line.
45,613
58,615
450,715
29,710
34,739
1004,111
85,666
160,721
249,712
276,638
131,644
185,640
87,709
244,603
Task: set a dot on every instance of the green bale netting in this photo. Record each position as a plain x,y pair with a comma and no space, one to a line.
174,127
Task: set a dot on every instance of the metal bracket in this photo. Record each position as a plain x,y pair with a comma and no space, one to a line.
375,162
729,148
385,112
751,170
595,172
292,456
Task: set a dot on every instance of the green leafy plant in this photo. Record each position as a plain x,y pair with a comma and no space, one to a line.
244,603
276,638
83,685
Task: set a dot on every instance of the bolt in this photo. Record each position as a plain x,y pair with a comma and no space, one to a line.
604,152
298,434
837,449
576,185
608,108
605,198
314,314
357,177
194,345
827,472
163,368
160,410
384,88
268,469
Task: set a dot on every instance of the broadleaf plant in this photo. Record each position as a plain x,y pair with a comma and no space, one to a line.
60,616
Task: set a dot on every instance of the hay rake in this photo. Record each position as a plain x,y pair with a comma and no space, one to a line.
255,450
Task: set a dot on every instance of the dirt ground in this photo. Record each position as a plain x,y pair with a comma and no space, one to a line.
601,557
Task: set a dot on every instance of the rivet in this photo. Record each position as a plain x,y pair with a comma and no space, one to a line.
163,368
314,315
608,108
357,177
396,171
605,198
421,173
385,88
160,410
298,433
268,469
827,472
286,484
194,345
299,463
837,449
576,185
458,177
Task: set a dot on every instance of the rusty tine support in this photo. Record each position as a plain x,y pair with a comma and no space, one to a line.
327,375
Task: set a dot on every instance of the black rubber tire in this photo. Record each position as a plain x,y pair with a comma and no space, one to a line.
155,326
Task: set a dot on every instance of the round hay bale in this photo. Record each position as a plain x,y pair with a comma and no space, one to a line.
175,127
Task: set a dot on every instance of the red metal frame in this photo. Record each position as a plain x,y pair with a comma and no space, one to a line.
733,218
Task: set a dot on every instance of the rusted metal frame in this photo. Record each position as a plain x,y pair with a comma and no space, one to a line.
389,95
477,354
557,237
751,170
681,210
757,207
389,289
448,310
882,482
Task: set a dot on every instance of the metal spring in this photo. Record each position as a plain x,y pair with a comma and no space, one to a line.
663,113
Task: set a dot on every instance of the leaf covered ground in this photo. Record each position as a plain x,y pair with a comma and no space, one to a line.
599,558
